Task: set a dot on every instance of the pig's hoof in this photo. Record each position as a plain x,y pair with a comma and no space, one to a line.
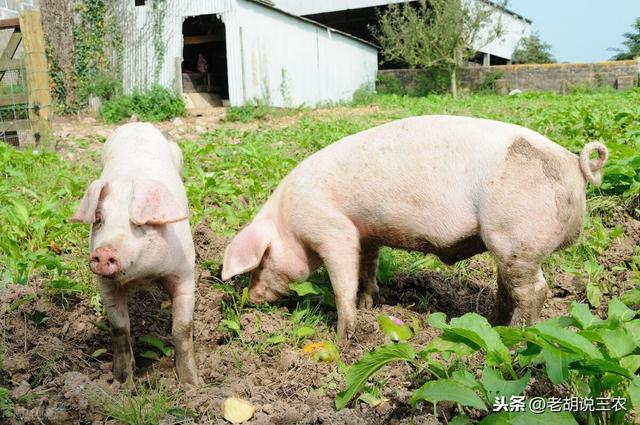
366,301
346,329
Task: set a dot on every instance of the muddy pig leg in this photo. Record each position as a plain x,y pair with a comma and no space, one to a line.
114,298
522,291
368,287
182,293
340,252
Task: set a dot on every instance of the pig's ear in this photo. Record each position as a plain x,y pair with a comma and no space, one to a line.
86,212
152,203
245,251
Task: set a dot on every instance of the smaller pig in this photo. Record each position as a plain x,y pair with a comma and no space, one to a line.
139,231
446,185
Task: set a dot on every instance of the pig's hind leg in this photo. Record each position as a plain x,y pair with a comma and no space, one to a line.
114,299
368,288
522,289
182,293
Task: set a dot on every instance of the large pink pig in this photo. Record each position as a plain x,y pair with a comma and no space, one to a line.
138,212
448,185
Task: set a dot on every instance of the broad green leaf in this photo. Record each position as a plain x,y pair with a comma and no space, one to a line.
633,330
439,345
609,381
231,325
582,314
617,341
568,339
394,328
466,378
530,353
151,355
598,366
633,389
594,294
156,343
557,363
510,336
631,297
529,418
438,320
545,418
370,363
304,331
476,328
497,386
305,288
619,311
559,322
99,352
447,390
371,400
460,420
276,339
631,363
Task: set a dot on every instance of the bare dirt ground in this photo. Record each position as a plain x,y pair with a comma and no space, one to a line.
52,368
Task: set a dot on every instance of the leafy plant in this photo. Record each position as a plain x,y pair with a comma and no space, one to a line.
157,344
598,356
155,104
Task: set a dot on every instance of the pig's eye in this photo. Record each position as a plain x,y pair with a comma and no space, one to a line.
98,219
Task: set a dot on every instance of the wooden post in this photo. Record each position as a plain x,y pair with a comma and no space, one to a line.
40,105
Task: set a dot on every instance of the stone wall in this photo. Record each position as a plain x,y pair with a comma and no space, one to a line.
539,77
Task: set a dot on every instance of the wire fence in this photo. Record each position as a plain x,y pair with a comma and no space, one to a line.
25,101
14,112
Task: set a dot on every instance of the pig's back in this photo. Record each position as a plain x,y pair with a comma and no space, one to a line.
411,173
139,150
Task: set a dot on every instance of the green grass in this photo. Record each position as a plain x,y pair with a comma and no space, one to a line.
145,404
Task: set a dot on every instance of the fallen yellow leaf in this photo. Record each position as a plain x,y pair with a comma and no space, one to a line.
313,347
237,410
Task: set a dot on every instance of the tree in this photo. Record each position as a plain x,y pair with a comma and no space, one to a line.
632,43
436,34
533,50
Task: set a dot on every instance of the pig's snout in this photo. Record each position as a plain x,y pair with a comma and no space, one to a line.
104,262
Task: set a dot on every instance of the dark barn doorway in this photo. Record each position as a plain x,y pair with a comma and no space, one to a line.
204,65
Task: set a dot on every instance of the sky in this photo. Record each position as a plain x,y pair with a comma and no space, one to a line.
580,30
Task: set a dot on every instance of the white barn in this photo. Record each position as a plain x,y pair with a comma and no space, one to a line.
354,17
254,52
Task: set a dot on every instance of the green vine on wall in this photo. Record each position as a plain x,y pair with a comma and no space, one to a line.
98,49
158,15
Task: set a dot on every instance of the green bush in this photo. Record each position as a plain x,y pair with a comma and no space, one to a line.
155,104
489,82
388,84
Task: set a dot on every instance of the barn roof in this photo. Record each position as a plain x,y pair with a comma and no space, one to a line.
269,4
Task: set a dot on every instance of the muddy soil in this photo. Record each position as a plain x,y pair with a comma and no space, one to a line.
57,372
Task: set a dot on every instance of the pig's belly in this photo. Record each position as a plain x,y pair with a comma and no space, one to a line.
452,237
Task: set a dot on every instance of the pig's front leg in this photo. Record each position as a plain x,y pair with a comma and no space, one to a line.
368,288
114,299
341,257
182,293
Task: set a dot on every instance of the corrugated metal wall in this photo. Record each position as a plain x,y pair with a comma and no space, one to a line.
271,57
